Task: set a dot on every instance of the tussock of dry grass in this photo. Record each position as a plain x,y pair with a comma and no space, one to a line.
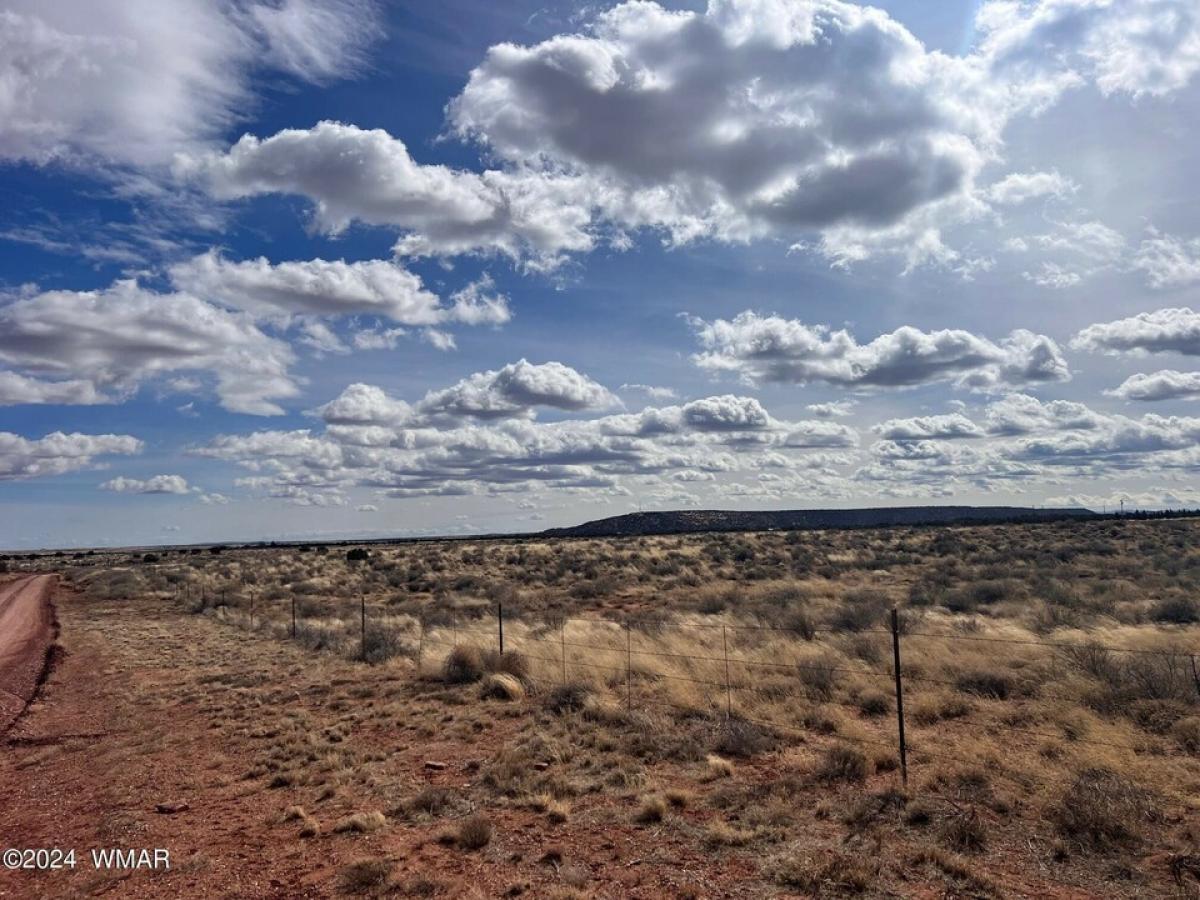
361,823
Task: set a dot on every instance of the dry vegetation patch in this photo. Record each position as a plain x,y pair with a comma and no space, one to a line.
716,705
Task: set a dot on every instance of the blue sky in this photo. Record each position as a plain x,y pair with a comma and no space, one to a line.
290,269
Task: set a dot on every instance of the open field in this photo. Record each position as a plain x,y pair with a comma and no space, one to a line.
699,716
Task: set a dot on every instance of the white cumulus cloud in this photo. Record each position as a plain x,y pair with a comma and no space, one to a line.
125,335
774,349
1167,384
156,484
58,453
1172,330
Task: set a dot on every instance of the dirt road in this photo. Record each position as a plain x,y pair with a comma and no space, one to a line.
26,634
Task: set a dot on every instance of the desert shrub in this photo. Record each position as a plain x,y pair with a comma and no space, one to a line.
430,802
1157,716
651,810
569,697
1187,732
874,703
963,831
869,648
358,554
818,675
1176,611
364,877
926,592
1059,593
919,813
983,683
382,643
868,809
740,738
1102,809
1166,676
800,623
474,832
821,873
463,665
316,636
960,601
929,709
859,611
985,593
361,823
722,834
966,882
842,763
1093,659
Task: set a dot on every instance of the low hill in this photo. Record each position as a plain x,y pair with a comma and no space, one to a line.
685,521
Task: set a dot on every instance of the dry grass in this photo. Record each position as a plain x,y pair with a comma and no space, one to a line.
612,700
474,833
361,823
365,877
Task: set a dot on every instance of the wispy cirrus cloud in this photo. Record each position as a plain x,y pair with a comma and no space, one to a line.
108,83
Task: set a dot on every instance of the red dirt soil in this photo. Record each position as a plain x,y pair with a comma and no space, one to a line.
27,631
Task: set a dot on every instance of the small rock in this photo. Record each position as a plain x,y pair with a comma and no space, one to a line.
168,809
434,766
541,766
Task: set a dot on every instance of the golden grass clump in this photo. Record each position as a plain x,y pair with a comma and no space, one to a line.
502,686
651,809
361,823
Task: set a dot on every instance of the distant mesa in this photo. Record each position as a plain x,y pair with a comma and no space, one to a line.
689,521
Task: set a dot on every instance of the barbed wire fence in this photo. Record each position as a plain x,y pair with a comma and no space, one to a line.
734,679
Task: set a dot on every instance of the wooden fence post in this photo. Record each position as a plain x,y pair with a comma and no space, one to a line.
899,696
293,617
563,636
500,625
363,600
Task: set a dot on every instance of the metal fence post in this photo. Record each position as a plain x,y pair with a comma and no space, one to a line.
363,600
628,666
899,696
500,625
563,636
420,642
728,692
293,617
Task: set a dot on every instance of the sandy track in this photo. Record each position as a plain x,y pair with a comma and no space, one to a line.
26,634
